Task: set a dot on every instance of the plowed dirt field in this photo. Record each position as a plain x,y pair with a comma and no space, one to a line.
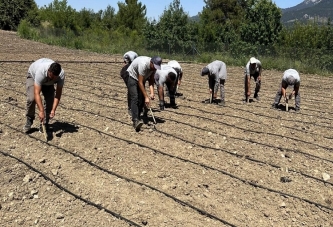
241,165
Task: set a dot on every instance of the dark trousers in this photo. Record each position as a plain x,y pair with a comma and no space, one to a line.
172,92
136,98
124,75
48,93
214,85
258,83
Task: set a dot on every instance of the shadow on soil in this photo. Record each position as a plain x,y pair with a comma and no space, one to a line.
60,128
282,107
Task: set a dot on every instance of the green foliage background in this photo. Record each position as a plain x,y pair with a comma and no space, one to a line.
228,30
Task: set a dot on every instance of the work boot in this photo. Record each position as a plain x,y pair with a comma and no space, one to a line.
173,103
28,124
206,101
256,96
221,104
137,125
245,100
274,106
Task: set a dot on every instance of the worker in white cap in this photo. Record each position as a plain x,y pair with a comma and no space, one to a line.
253,69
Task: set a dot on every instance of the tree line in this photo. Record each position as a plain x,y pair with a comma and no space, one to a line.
231,29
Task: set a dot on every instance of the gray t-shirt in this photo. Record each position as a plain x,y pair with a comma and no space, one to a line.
38,71
218,69
291,77
140,66
161,75
250,71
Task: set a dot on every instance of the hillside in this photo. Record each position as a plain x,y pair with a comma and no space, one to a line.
314,10
319,10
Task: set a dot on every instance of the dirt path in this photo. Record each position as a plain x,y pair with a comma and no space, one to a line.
242,165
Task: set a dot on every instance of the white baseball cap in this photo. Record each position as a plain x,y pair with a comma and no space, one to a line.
253,60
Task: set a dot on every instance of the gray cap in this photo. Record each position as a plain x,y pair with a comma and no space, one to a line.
157,61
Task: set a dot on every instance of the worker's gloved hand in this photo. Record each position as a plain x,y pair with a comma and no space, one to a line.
162,105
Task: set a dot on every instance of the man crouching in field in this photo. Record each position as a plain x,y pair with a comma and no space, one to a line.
142,68
290,78
41,77
166,76
128,58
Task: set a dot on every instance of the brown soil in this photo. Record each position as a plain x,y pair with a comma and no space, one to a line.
241,165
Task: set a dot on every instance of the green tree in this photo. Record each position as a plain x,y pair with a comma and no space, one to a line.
13,11
221,19
108,18
131,16
310,35
262,22
173,31
60,15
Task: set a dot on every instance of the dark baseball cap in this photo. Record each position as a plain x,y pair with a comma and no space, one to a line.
204,71
157,61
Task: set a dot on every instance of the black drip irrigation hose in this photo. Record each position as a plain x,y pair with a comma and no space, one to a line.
242,156
233,154
320,206
200,211
69,192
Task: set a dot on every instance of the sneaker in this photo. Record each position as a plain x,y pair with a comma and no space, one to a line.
173,104
297,109
47,127
137,125
256,96
246,98
206,101
221,104
275,106
27,126
129,112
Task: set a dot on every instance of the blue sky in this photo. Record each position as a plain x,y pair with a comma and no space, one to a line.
154,8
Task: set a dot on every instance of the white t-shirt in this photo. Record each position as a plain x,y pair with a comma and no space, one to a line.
140,66
38,71
218,69
174,64
161,75
291,77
